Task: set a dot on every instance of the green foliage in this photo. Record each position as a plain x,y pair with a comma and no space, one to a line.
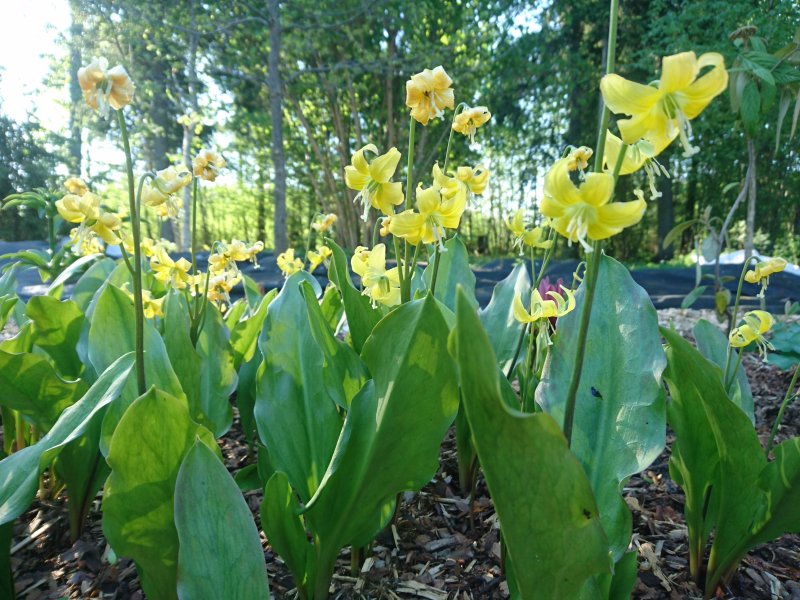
454,271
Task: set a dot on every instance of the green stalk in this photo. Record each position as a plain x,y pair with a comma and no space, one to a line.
19,430
456,112
790,395
403,270
194,226
734,316
137,254
437,254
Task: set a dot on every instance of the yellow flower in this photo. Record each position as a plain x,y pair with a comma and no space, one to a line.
544,309
174,273
380,285
147,245
324,223
158,193
428,94
316,258
762,271
476,178
76,185
578,158
534,238
371,180
220,286
105,226
227,255
153,307
756,324
77,209
436,213
207,164
583,211
386,223
85,242
288,264
103,87
661,112
641,154
469,119
466,180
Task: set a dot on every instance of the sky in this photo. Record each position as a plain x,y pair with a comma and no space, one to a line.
31,29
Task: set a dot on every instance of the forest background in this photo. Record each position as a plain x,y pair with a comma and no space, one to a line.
287,91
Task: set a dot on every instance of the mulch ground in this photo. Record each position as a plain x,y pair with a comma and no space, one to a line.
439,546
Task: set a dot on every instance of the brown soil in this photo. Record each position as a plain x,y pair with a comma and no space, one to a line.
438,548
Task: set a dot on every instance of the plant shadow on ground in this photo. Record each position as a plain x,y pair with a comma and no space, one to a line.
435,549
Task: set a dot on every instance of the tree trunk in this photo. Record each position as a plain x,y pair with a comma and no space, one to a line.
276,113
666,216
750,222
75,96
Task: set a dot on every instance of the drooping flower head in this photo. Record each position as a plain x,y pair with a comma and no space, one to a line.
77,209
220,286
324,222
428,93
476,178
153,307
642,154
533,238
288,264
665,109
583,211
761,272
317,257
371,180
158,193
226,255
76,185
207,164
381,285
756,324
103,87
578,158
94,221
469,120
434,214
557,306
171,272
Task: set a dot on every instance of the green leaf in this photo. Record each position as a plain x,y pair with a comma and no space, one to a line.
620,421
19,473
361,317
57,327
332,306
147,449
112,318
244,333
252,291
286,533
693,296
220,549
295,410
7,304
780,481
246,395
392,433
91,281
676,232
749,110
498,316
31,386
454,270
547,512
713,344
75,268
343,371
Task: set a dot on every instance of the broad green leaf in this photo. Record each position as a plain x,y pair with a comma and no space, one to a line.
361,317
246,395
237,312
220,552
343,371
91,281
74,268
252,291
244,333
693,296
295,410
218,376
30,385
57,327
286,533
22,343
498,316
113,319
393,430
147,449
749,110
454,270
548,514
620,421
6,306
19,472
780,480
713,344
178,343
332,306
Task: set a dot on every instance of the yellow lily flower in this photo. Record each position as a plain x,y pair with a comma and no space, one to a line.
534,238
578,158
470,119
371,180
543,309
147,245
381,285
287,262
106,226
159,192
103,87
76,185
664,111
756,324
220,286
316,258
324,223
762,271
77,209
85,242
436,213
466,180
428,93
476,178
581,212
641,154
166,270
207,164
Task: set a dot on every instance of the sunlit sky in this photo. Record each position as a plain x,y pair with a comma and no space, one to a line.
31,29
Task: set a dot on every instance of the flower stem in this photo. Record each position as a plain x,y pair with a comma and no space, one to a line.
403,269
734,316
137,256
790,395
437,254
458,109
